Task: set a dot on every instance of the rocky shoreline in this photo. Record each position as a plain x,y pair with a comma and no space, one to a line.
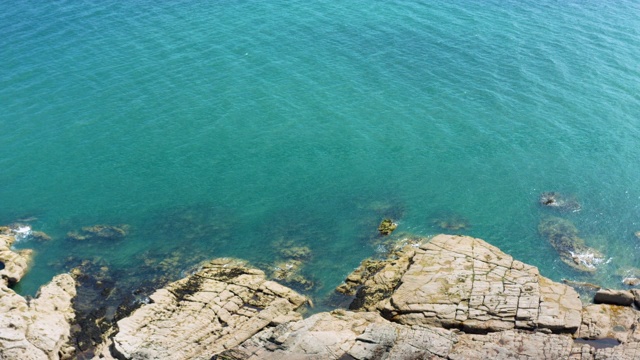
448,297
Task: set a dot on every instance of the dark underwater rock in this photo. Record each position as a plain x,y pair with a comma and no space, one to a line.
563,236
99,232
450,222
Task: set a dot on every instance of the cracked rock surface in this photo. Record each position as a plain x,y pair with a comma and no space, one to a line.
37,329
345,335
216,308
465,283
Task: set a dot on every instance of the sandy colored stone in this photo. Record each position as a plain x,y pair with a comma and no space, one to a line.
513,344
609,321
466,283
345,335
38,329
16,263
206,313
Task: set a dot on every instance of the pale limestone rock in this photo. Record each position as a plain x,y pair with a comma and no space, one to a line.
206,313
38,329
345,335
466,283
609,321
514,344
16,263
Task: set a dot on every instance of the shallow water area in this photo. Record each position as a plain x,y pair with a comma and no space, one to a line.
232,128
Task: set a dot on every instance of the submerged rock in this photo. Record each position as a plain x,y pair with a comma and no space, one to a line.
563,236
99,232
451,222
559,201
40,236
387,226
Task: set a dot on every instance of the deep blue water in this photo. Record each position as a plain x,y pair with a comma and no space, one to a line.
220,128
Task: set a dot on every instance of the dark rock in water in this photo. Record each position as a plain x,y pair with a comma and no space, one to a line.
40,236
559,201
613,297
100,232
631,281
387,227
563,236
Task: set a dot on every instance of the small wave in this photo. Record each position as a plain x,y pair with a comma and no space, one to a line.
22,232
589,259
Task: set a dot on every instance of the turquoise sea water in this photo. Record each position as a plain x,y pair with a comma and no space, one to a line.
222,128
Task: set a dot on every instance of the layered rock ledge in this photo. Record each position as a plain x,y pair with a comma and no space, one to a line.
217,308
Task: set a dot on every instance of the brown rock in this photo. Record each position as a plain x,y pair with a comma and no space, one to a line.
614,297
387,227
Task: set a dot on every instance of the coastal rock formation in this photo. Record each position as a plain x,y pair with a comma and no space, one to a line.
345,335
13,264
465,283
563,236
605,321
37,329
206,313
613,297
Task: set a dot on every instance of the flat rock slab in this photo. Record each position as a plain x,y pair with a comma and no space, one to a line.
206,313
345,335
465,283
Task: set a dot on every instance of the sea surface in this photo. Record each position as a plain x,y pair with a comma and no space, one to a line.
242,128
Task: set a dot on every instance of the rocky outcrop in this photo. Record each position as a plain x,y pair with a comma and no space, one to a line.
219,307
13,264
465,283
449,297
37,329
614,297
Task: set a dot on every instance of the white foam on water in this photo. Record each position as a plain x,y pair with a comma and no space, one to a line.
22,232
589,259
